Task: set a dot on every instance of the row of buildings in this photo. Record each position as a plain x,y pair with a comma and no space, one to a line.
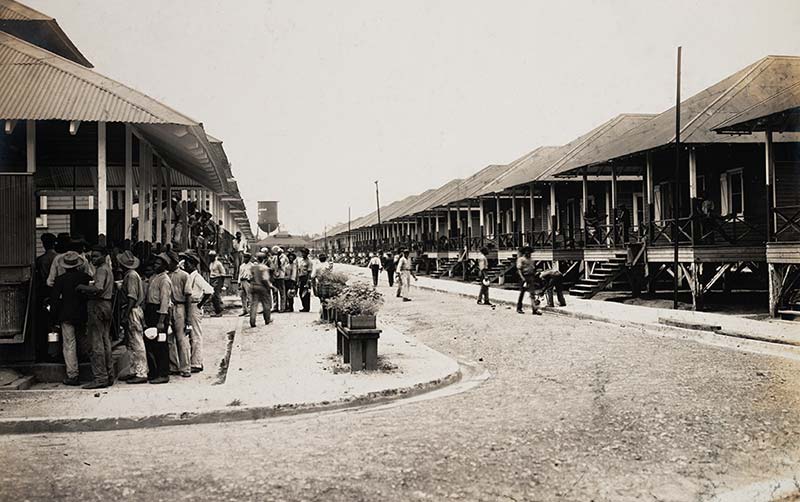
602,207
85,155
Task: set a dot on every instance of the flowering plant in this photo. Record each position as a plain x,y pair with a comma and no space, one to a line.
357,299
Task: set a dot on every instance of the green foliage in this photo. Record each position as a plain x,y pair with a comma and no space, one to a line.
357,299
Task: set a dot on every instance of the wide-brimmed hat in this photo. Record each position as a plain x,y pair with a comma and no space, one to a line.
165,257
190,256
71,259
212,253
276,250
128,260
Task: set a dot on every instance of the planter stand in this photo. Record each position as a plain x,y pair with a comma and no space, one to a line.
359,347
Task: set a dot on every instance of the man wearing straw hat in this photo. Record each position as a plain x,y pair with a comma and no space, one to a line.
133,317
69,309
198,291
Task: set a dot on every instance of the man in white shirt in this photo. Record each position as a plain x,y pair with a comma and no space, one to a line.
198,291
245,276
217,275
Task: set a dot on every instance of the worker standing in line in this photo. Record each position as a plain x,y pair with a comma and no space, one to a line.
526,269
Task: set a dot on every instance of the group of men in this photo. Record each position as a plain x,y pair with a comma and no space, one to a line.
398,266
533,281
158,303
271,279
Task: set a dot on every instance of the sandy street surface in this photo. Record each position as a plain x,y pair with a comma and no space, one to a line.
574,410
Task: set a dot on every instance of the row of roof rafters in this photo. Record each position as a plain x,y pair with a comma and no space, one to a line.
734,104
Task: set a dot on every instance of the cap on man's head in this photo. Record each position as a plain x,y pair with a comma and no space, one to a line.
71,259
190,257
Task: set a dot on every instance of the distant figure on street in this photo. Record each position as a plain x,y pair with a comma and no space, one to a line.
245,277
483,267
390,266
406,273
526,269
261,289
398,275
304,268
133,317
217,277
69,309
239,251
550,280
375,266
290,280
198,291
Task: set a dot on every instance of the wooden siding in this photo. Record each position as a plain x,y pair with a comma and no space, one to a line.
783,252
17,219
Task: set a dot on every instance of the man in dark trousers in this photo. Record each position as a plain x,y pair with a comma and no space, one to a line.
550,280
69,309
526,269
304,268
483,267
390,266
100,292
261,289
157,315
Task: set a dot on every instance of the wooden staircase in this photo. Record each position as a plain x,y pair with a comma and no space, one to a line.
443,267
603,275
495,272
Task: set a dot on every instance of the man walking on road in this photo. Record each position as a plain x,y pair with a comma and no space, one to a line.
100,292
526,269
217,277
390,266
483,267
133,317
69,309
375,267
244,283
261,290
406,273
198,291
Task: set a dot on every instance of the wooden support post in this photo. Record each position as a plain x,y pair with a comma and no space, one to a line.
532,192
158,201
498,221
775,285
553,210
128,205
142,224
514,213
482,216
167,173
584,198
30,146
102,190
692,173
769,175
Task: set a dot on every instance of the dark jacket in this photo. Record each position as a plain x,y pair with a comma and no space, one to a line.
68,304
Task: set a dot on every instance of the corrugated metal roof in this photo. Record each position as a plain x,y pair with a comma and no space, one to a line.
706,110
523,170
38,29
39,85
781,112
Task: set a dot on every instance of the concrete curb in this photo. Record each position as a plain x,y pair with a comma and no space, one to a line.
217,415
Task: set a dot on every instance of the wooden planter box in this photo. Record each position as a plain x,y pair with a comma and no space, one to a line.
361,322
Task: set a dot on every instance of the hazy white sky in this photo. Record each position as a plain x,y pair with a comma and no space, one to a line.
315,100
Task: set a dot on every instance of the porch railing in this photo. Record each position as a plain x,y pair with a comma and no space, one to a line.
787,224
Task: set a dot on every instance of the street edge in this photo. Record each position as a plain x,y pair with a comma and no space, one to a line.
590,317
220,415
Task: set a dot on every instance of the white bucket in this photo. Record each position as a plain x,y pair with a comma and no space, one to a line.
151,333
52,337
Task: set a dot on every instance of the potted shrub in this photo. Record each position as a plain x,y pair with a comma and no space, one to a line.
328,284
357,306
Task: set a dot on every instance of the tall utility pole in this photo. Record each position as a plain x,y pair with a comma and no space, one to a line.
676,191
378,204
